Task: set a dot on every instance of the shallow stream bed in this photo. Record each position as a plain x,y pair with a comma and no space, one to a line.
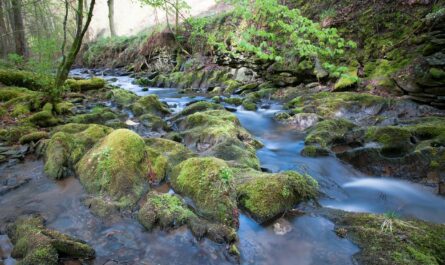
301,239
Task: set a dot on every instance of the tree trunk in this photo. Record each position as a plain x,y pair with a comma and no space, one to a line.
19,29
68,60
111,17
3,32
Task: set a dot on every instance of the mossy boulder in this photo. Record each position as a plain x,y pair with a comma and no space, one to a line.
388,240
44,118
99,115
169,211
165,210
200,106
173,152
150,105
64,107
347,81
35,244
12,134
249,105
33,137
116,166
85,84
154,123
208,182
328,132
20,78
67,146
219,133
265,195
122,97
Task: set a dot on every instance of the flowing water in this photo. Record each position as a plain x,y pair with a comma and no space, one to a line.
305,239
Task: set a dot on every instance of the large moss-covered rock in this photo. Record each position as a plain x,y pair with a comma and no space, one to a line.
67,146
85,84
209,183
34,244
169,211
150,105
265,195
328,132
44,118
388,240
98,115
19,78
173,152
219,133
122,97
33,137
116,166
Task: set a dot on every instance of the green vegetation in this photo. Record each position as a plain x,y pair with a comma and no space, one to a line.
208,183
116,166
408,242
35,244
265,195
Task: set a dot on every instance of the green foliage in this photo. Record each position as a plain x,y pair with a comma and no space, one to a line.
273,32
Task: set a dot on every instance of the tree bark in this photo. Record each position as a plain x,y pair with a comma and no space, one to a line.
19,29
3,30
68,60
111,17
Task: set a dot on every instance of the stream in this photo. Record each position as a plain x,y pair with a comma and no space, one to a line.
304,239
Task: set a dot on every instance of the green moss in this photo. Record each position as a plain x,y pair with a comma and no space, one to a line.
199,107
410,242
116,166
207,182
314,151
327,132
85,85
437,73
98,115
12,134
393,138
67,146
173,151
122,97
35,244
33,137
266,195
347,81
219,133
20,79
43,118
249,105
20,110
154,122
150,105
65,107
233,101
166,210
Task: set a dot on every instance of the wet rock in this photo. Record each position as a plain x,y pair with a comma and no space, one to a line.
219,133
85,85
122,97
35,244
67,146
117,166
392,240
282,227
302,121
209,183
265,196
150,105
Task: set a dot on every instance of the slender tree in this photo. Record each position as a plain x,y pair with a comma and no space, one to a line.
81,29
19,29
3,30
111,17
